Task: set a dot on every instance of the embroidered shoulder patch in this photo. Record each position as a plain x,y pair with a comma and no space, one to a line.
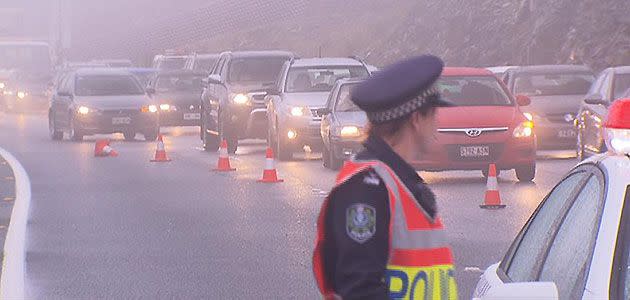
371,179
360,222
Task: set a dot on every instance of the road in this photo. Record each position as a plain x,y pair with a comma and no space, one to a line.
126,228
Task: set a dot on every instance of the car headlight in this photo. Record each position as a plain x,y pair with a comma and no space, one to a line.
165,107
349,132
21,94
7,93
83,110
298,111
240,99
149,108
523,130
2,85
529,116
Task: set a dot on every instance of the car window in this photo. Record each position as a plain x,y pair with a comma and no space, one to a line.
597,85
172,63
204,64
553,84
568,257
107,85
344,102
621,85
473,91
320,78
530,248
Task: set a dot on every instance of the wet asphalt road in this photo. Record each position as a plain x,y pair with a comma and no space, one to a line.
126,228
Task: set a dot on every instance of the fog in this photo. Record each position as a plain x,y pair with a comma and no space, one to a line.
474,33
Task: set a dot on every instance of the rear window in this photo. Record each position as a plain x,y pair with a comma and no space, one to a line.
172,63
179,83
107,85
553,84
259,70
204,64
621,86
473,91
320,78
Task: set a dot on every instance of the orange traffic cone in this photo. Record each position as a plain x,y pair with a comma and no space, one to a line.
103,149
492,200
160,152
224,159
269,174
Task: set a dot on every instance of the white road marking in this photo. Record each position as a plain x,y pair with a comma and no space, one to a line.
13,264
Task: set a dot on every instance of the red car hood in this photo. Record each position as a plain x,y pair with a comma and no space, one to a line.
477,116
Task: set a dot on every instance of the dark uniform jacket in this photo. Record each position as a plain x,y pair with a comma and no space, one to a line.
356,270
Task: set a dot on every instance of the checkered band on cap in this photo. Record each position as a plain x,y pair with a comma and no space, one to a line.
404,109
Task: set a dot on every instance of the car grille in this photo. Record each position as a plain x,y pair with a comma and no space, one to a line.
496,150
316,116
120,112
258,100
559,118
313,132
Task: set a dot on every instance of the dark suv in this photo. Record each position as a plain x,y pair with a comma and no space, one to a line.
233,100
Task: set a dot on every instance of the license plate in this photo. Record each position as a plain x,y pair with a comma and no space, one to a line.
121,120
474,151
568,133
192,116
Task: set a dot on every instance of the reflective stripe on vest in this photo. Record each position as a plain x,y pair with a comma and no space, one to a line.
420,264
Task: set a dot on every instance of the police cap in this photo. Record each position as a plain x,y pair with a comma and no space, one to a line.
400,89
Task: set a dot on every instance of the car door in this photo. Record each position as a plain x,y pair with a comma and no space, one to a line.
328,119
595,115
522,263
620,277
63,103
210,101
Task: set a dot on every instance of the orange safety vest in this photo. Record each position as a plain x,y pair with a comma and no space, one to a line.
420,264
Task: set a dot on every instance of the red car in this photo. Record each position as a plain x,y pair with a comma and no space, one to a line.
486,126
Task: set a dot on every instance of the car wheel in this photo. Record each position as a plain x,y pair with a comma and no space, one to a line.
75,133
231,140
335,163
55,134
326,157
129,135
151,135
579,149
210,141
526,173
282,150
485,172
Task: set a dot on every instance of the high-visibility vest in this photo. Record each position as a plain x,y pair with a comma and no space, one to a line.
420,264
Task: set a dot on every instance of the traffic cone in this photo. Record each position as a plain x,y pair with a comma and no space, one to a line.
160,152
103,149
492,199
224,159
269,174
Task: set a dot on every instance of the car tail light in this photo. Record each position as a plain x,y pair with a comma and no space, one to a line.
617,127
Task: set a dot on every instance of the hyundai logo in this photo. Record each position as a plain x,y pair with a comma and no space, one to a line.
473,132
569,118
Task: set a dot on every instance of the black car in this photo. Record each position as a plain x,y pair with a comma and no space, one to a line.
101,101
611,84
233,101
177,95
556,92
343,125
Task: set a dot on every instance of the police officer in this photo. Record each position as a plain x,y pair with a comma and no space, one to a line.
379,235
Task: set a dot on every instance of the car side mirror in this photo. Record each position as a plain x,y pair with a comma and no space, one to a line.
532,290
214,79
595,99
150,90
523,100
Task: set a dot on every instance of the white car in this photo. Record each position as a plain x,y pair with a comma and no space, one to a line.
576,245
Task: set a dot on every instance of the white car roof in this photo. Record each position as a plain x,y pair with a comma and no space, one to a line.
326,61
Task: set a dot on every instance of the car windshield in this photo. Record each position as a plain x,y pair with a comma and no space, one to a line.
143,77
553,84
320,78
179,83
107,85
172,63
255,70
344,102
621,85
204,63
473,91
25,57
